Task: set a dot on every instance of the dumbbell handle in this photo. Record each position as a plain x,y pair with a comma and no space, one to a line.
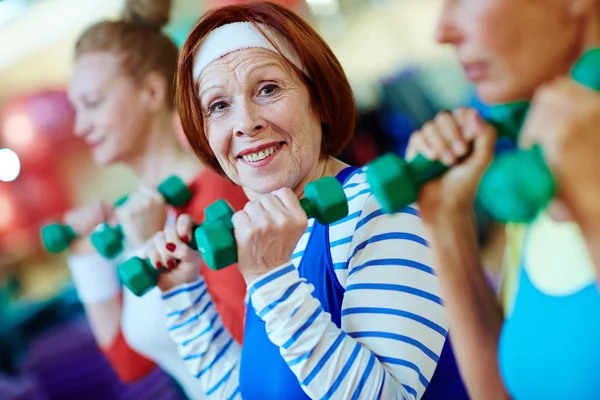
152,272
424,170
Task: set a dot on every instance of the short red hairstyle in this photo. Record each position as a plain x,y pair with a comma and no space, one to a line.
328,84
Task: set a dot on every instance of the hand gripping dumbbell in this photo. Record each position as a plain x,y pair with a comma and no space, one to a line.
108,240
395,183
518,185
139,275
324,200
56,238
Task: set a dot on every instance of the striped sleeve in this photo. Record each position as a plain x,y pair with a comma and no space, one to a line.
393,323
208,349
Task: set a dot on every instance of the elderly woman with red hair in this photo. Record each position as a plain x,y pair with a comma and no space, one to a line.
346,310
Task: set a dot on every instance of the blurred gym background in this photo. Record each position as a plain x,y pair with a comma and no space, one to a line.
401,79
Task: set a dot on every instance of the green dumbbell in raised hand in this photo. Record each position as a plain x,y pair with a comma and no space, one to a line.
518,185
108,240
396,183
56,238
139,275
324,200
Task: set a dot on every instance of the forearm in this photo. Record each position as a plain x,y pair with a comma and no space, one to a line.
207,348
98,288
105,320
475,317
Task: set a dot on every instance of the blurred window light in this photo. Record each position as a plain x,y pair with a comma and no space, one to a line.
11,9
323,7
19,130
10,166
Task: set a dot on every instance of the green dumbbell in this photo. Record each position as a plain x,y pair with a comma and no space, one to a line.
139,275
108,240
56,238
324,200
396,183
518,185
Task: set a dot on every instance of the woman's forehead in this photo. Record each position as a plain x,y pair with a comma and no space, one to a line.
242,64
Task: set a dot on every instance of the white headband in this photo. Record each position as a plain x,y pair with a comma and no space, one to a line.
236,36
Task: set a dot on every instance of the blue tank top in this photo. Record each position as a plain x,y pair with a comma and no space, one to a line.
264,375
550,347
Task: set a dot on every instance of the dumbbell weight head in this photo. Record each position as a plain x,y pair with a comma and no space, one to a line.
325,200
216,243
517,186
138,275
107,240
220,210
175,191
56,238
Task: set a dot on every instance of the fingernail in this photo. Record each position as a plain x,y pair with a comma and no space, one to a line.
171,264
185,239
158,265
459,148
171,247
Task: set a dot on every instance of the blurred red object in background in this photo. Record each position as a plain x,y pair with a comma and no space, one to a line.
39,128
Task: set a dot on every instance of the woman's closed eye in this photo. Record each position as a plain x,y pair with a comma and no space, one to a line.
90,104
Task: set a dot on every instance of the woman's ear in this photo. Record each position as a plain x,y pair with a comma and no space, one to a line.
154,90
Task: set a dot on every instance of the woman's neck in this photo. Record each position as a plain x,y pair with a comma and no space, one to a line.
162,155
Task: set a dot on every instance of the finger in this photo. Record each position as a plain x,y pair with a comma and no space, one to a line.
153,255
257,214
183,227
174,246
418,145
438,143
273,206
160,243
452,132
460,114
289,201
241,223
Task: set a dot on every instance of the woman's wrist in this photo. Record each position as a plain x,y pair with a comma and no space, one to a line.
449,217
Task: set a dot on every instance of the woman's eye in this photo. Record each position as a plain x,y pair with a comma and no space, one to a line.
217,106
90,104
269,90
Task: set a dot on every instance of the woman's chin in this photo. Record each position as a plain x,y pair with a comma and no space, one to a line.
264,184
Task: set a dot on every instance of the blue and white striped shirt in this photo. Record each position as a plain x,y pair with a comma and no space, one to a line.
393,322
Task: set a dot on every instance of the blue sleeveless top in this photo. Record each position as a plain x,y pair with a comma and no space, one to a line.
264,375
550,345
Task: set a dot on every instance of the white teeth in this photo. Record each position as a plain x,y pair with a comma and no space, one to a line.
261,155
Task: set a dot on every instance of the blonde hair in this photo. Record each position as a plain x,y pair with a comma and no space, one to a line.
137,38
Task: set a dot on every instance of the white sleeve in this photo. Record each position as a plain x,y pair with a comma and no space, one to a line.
94,277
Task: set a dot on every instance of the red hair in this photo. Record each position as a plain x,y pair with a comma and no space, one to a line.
327,84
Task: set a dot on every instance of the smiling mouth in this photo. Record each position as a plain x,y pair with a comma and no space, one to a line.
261,155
